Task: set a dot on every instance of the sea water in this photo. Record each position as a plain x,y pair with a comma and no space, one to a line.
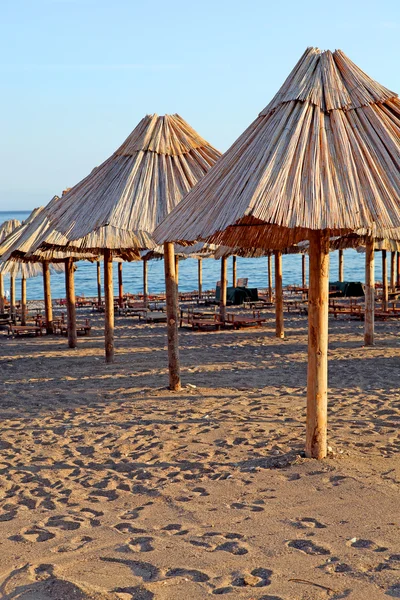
255,269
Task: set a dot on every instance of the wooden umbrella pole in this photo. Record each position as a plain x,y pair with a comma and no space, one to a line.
12,296
120,286
269,278
172,317
98,283
48,307
369,293
224,285
145,289
109,307
1,293
177,278
303,272
279,329
341,266
317,375
398,270
200,277
234,271
23,301
385,289
70,298
392,271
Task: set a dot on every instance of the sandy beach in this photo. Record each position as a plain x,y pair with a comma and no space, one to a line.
112,487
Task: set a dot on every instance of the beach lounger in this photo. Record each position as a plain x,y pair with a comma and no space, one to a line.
17,330
153,316
239,321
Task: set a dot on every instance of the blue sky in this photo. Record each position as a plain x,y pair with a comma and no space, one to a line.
76,76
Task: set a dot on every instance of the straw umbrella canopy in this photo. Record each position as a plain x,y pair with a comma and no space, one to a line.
5,229
321,159
115,209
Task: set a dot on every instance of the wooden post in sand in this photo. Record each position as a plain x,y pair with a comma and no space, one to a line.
341,266
172,317
385,289
12,296
1,293
398,270
176,258
48,306
120,286
392,271
109,306
269,278
224,285
234,271
317,374
98,283
200,277
70,298
303,272
279,329
145,288
23,300
369,293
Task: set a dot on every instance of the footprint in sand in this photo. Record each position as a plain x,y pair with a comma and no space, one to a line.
140,544
175,529
233,548
200,491
136,593
133,514
94,521
192,574
33,534
366,545
110,495
308,547
258,577
74,544
8,516
144,570
334,565
394,591
251,507
65,522
308,522
128,528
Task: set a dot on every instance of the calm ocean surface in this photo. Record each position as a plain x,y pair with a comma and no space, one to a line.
253,268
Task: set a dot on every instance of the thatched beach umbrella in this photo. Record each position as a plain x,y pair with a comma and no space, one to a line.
321,159
390,241
23,271
13,250
20,247
6,229
115,209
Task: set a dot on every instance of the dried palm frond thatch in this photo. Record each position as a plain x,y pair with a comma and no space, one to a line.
200,250
21,244
26,270
8,227
323,155
120,203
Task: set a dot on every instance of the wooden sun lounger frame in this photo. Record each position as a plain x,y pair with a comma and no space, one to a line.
239,321
17,330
